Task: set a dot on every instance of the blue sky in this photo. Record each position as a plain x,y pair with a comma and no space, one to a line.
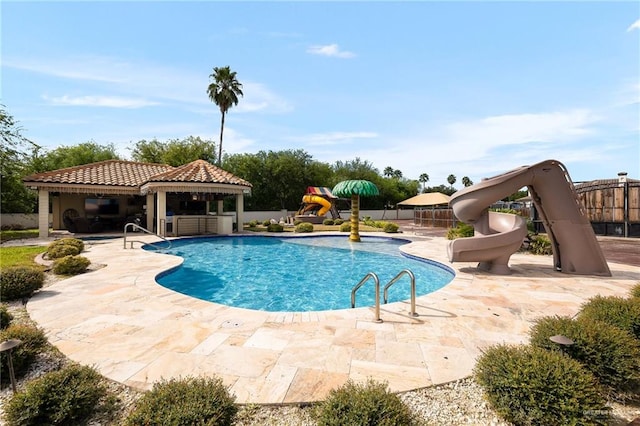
469,88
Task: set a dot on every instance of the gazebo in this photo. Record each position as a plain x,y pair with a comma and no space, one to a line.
109,193
429,201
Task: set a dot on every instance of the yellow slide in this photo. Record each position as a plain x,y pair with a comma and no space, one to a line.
315,199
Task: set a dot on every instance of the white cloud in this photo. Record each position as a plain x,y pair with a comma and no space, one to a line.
99,101
258,97
334,138
634,26
332,50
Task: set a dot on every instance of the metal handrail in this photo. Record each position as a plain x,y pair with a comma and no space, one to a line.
413,289
377,284
145,230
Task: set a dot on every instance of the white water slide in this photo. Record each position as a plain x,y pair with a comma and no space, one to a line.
499,235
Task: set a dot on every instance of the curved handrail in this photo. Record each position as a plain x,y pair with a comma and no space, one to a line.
413,289
146,231
377,284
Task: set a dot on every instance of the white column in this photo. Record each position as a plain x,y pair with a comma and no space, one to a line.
220,207
161,213
43,213
240,211
151,211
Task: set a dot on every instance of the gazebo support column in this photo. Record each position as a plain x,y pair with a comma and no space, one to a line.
43,213
240,212
151,210
161,221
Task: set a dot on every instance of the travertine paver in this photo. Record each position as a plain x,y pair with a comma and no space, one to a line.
136,332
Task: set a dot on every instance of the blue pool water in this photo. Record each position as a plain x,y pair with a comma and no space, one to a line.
298,274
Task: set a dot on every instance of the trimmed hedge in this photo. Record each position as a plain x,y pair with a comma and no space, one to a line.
462,230
635,291
5,317
363,404
65,247
17,282
620,312
62,397
611,354
275,227
345,227
304,227
33,341
71,265
190,401
328,222
528,385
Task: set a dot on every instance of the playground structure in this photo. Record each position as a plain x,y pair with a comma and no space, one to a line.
316,203
499,235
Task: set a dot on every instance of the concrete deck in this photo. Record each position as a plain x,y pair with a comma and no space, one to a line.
134,331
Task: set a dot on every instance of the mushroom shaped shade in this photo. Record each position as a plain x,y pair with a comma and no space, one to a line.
363,188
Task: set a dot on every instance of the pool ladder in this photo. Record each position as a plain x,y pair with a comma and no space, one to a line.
376,281
134,227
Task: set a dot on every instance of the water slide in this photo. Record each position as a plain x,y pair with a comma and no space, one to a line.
499,235
315,199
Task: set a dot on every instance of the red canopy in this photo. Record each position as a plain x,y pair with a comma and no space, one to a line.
320,190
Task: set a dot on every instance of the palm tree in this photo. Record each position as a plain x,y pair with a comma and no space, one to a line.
397,174
354,189
466,181
388,171
224,91
451,179
424,178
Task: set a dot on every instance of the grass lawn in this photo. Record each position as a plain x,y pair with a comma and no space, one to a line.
17,235
20,256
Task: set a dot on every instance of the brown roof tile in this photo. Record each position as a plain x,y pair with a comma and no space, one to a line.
110,173
199,171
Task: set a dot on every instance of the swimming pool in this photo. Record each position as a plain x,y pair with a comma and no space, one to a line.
298,274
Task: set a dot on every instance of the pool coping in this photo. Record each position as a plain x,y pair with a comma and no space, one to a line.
137,332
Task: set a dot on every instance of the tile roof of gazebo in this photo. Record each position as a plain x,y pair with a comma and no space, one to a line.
125,177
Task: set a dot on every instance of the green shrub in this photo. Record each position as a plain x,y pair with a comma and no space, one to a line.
527,385
338,221
190,401
5,317
65,247
540,244
63,397
369,222
71,265
635,291
390,227
304,227
367,404
266,222
17,282
275,227
462,230
345,227
33,341
253,223
328,222
611,354
617,311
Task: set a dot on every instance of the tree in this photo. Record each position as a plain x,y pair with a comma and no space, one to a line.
74,155
451,179
466,181
423,179
14,196
388,171
224,91
174,152
397,174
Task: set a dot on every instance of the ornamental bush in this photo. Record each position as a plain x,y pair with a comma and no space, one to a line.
304,227
5,316
635,291
338,221
62,397
17,282
266,222
611,354
462,230
363,404
527,385
390,227
540,244
345,227
65,247
33,342
620,312
253,223
328,222
275,227
190,401
71,265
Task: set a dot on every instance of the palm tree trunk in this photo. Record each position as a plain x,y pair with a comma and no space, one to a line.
355,218
220,145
